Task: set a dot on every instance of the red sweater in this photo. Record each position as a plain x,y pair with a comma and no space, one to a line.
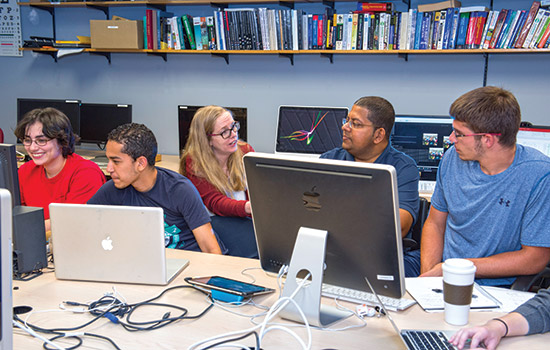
216,201
77,182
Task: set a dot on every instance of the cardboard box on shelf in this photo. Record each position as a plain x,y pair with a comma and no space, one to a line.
116,34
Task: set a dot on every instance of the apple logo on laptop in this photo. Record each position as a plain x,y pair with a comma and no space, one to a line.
107,243
311,200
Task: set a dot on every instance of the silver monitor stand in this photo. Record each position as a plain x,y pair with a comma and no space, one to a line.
309,255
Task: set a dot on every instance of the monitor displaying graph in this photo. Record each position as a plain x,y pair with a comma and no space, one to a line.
309,130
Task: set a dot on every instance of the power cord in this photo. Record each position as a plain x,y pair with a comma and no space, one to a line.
115,310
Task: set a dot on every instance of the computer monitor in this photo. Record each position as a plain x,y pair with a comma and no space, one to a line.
537,137
71,108
357,203
8,172
309,130
186,113
98,119
424,138
6,311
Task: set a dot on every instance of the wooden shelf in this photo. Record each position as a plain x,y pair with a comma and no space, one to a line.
307,52
167,3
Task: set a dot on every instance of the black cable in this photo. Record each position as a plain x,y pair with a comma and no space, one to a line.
235,339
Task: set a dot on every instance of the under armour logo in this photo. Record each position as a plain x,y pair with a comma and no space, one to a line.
505,202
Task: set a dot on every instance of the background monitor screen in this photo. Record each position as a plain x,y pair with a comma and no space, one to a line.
309,130
424,138
355,202
536,137
8,172
98,119
71,108
186,113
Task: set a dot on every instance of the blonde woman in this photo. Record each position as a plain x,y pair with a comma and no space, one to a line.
212,160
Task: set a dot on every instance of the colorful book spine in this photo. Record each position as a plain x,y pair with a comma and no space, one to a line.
527,25
454,30
534,28
498,28
517,30
462,30
187,26
490,30
505,29
540,29
478,32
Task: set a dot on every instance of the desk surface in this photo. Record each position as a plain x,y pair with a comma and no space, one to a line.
46,293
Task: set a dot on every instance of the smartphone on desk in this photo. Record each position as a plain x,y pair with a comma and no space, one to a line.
228,285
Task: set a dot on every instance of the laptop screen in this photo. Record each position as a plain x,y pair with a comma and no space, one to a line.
424,139
309,130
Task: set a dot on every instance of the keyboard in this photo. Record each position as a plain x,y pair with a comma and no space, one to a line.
426,340
360,297
426,186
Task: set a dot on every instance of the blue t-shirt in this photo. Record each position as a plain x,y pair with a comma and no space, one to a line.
407,175
493,214
175,194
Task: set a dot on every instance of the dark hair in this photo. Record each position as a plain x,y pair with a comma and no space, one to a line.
489,109
137,140
381,112
55,125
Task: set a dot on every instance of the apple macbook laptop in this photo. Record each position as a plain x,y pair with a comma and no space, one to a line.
419,339
106,243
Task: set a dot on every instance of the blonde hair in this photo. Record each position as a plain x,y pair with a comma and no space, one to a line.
205,164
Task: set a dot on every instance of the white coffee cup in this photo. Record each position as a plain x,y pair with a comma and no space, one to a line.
458,282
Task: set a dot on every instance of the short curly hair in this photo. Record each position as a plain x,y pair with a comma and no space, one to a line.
137,141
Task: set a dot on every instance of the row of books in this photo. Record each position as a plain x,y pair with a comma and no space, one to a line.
268,29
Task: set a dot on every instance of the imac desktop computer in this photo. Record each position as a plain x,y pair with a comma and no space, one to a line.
338,220
309,130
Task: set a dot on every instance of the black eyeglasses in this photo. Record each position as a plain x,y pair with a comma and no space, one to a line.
227,132
41,141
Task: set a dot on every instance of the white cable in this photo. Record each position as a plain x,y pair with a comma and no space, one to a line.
245,273
36,335
275,309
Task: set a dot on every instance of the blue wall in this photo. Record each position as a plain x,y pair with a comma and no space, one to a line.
425,84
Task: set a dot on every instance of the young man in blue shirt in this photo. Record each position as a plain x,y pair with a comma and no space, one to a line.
135,181
366,138
490,203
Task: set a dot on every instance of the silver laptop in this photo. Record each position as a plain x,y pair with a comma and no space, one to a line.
111,244
419,339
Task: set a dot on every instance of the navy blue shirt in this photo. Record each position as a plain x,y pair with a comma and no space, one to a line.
407,175
175,194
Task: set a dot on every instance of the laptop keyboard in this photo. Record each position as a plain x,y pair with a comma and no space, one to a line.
426,340
360,297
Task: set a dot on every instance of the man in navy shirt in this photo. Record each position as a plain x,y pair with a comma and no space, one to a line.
131,150
366,138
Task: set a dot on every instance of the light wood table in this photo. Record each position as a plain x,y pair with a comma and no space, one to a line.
46,293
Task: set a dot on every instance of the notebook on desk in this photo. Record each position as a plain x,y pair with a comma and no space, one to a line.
111,244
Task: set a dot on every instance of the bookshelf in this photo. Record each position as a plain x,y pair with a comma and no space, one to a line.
163,53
